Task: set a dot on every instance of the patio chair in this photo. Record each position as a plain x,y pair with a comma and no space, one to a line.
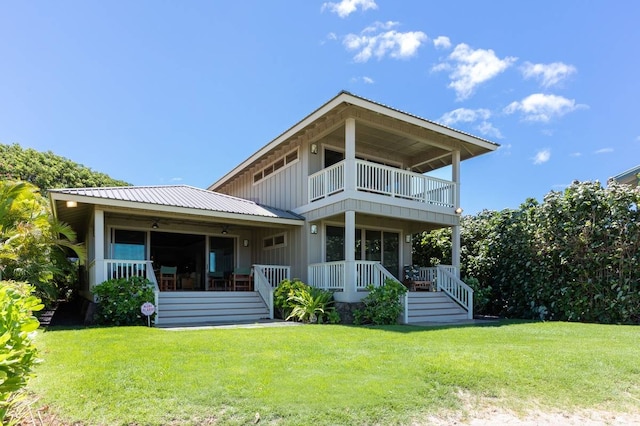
168,278
242,279
217,281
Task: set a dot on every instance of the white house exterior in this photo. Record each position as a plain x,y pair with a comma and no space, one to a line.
334,201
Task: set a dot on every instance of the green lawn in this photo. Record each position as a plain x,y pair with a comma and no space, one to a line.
332,374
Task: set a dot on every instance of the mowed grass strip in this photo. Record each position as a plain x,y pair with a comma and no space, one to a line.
331,374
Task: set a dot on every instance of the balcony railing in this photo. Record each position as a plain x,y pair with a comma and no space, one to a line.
384,180
332,275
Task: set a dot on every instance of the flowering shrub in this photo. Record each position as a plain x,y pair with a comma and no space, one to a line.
119,301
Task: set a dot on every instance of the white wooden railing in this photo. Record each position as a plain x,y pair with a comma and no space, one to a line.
266,278
385,180
328,276
449,283
332,275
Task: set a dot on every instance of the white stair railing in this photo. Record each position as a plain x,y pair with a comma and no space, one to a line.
328,276
448,282
265,279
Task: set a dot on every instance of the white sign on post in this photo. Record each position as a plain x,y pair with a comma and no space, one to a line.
148,309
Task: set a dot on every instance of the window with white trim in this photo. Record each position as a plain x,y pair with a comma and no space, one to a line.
279,164
274,241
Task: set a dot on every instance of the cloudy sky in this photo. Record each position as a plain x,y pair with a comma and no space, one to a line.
180,92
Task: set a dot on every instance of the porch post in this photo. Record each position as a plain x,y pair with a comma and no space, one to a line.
350,154
455,231
455,249
98,241
351,278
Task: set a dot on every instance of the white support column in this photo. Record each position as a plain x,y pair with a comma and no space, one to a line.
350,290
455,177
455,249
455,231
350,154
98,241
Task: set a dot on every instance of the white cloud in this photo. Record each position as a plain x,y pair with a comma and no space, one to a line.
442,42
541,107
542,156
488,129
471,68
464,115
391,43
548,74
603,151
332,36
347,7
363,79
576,154
367,80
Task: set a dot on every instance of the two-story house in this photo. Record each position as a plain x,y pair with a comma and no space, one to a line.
334,201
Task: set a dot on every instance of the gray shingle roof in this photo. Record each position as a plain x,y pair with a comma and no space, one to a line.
182,196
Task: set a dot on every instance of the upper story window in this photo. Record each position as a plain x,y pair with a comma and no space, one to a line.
279,164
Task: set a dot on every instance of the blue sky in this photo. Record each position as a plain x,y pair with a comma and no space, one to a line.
163,92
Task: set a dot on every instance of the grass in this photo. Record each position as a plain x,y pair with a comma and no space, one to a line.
331,374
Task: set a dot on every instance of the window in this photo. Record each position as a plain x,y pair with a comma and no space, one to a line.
128,245
274,241
279,164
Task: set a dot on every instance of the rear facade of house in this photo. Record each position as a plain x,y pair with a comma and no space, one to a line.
334,201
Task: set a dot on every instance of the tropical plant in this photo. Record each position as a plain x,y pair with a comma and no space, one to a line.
283,292
382,306
33,245
119,300
17,352
310,305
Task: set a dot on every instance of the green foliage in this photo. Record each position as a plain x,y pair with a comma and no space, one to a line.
119,301
47,170
17,351
382,306
310,305
33,245
574,257
283,292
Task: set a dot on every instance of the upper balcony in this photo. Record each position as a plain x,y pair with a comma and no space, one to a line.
383,180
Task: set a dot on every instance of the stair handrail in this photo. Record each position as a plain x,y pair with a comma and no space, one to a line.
151,276
455,288
263,287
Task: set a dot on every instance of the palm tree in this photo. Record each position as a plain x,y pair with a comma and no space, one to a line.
33,244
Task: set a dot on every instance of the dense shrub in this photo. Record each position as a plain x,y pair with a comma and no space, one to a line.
382,306
119,301
283,292
17,351
575,256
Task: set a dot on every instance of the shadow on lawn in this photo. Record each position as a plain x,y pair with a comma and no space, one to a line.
413,328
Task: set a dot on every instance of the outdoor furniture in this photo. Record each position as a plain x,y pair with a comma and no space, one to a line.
217,281
242,279
168,278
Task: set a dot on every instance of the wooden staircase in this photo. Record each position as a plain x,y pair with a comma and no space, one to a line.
209,307
436,306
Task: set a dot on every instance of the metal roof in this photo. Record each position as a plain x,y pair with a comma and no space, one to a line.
184,196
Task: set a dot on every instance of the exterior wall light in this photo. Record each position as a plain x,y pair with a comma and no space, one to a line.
407,238
459,210
245,243
72,204
314,148
314,229
155,225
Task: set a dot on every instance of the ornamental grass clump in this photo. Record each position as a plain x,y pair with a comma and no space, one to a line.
296,300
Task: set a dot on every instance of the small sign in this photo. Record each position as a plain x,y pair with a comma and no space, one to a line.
147,308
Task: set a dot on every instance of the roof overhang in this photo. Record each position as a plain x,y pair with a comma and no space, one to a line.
344,100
